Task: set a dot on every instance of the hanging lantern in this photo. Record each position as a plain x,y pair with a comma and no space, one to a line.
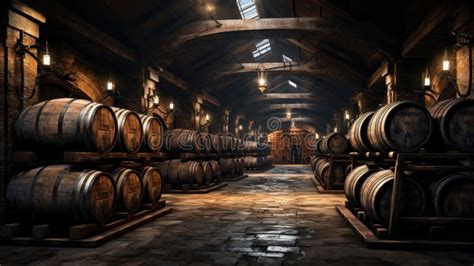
446,64
426,79
262,80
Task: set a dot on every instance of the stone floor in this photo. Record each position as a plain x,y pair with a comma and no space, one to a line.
272,218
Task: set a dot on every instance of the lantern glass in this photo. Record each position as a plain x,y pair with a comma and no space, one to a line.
110,85
46,60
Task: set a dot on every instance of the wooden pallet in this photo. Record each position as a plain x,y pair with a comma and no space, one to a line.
259,171
370,240
82,235
233,179
197,190
322,190
68,157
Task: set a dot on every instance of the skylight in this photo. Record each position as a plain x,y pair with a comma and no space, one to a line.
287,60
292,84
248,9
263,48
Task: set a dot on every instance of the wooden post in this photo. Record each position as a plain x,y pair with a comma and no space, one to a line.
393,228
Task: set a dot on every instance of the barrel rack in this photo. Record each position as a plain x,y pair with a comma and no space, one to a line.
437,228
80,235
328,186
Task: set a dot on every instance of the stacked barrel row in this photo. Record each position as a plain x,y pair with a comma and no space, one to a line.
80,125
257,155
407,127
329,173
68,194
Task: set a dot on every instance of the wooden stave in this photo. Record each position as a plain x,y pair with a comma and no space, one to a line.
82,138
228,167
377,124
438,191
208,172
354,182
151,192
191,173
124,177
325,144
75,186
147,145
204,143
216,143
216,169
358,132
442,112
324,167
369,197
124,117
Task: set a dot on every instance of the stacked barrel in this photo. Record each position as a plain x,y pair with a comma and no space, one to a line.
330,173
257,155
407,127
71,192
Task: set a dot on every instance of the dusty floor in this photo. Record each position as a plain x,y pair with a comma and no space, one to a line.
271,218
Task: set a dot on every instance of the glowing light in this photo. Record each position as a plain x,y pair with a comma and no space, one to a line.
240,127
156,100
110,85
426,79
335,130
210,8
171,106
316,135
446,64
208,118
46,57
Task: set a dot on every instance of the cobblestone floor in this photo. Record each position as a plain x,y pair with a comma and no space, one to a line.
272,218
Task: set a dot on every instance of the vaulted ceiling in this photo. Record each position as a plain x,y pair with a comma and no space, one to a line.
335,46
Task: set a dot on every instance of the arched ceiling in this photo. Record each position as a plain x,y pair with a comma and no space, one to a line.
336,46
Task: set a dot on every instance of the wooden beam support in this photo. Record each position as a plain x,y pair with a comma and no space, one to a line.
210,99
379,74
331,30
282,96
436,15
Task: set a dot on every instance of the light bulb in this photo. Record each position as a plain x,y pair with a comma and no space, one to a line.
427,81
171,106
261,82
110,85
46,60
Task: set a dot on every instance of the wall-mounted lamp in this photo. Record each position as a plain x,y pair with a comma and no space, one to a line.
446,63
110,90
171,106
347,115
240,127
426,78
316,135
22,50
206,124
335,130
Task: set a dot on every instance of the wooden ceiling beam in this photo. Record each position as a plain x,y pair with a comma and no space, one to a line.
379,74
282,96
436,15
309,27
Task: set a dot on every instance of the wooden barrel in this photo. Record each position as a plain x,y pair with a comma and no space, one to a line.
129,189
242,165
400,126
152,184
216,143
60,193
323,172
454,124
181,140
228,144
130,130
334,143
317,146
250,162
204,143
354,181
216,169
376,196
208,176
238,167
68,124
228,167
358,133
152,133
191,173
453,196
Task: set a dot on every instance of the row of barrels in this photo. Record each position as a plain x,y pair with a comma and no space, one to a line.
447,195
190,141
329,177
407,127
64,193
257,162
77,125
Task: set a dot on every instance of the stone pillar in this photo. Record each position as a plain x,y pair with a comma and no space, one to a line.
17,18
